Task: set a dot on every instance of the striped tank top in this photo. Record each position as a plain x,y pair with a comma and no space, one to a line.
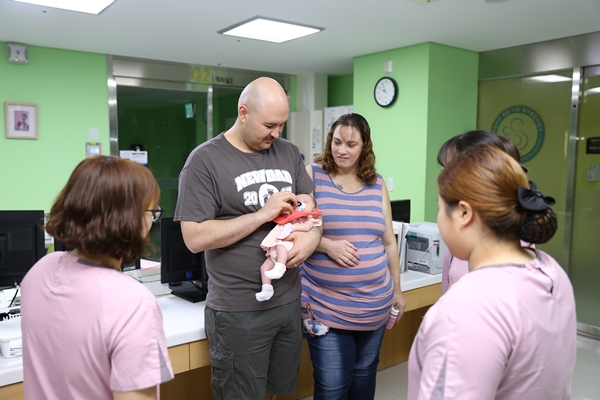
356,298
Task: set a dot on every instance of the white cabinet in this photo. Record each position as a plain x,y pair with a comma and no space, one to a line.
305,130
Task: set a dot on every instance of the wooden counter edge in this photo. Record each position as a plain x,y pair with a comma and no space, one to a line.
199,354
422,297
180,357
13,391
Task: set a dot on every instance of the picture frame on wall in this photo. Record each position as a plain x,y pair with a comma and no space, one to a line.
21,120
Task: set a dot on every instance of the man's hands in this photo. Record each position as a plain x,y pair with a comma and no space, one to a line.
305,244
214,234
278,203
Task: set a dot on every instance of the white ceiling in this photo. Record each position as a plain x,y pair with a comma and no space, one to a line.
186,30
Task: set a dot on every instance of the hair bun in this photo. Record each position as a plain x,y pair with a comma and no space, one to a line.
539,226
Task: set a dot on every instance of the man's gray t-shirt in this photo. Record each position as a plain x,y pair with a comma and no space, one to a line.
221,182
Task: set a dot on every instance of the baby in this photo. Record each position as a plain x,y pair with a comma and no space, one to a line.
277,249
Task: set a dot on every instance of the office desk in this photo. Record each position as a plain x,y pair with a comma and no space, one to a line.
188,347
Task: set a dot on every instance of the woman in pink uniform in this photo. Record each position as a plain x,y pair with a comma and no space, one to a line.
454,268
507,329
89,330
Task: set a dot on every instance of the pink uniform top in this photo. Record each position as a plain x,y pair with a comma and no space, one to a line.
89,330
454,268
504,332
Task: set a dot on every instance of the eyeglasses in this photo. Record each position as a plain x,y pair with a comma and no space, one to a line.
156,213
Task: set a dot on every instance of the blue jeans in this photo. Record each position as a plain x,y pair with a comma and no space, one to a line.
345,363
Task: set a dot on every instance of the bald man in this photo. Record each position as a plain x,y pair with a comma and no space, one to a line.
230,190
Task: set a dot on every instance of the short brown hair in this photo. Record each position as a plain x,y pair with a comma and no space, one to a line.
366,161
101,209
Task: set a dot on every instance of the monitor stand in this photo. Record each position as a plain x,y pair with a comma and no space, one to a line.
187,291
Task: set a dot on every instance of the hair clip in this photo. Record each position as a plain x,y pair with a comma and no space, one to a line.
533,200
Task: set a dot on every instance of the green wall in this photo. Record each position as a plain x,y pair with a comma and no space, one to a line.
437,100
451,108
340,90
438,93
70,90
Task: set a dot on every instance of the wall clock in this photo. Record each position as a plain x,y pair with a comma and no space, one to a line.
386,91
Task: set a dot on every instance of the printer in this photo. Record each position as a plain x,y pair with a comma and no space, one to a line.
422,248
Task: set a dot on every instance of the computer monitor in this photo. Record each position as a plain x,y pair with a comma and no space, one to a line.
22,244
184,271
60,246
400,210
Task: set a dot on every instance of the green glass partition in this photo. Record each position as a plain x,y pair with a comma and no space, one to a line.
585,262
537,112
168,124
534,112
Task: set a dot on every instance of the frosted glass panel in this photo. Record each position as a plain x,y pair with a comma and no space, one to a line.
585,260
534,112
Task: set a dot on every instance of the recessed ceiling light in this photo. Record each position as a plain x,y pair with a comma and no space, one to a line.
270,30
546,78
87,6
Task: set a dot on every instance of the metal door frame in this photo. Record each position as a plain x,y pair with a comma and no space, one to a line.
136,72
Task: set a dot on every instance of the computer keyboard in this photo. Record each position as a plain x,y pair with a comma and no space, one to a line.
9,313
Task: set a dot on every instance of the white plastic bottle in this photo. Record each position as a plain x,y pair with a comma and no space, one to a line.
393,317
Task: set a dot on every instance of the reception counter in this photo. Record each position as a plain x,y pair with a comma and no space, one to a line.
188,347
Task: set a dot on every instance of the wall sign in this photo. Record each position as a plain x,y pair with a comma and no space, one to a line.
204,75
592,145
524,127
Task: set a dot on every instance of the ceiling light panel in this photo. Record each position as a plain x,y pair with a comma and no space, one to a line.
87,6
595,90
547,79
269,30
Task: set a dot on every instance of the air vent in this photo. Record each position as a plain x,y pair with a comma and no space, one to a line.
17,53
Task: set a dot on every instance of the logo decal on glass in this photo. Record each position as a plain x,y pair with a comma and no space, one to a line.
524,127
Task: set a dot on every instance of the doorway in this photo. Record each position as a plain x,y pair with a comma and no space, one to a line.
168,124
167,109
